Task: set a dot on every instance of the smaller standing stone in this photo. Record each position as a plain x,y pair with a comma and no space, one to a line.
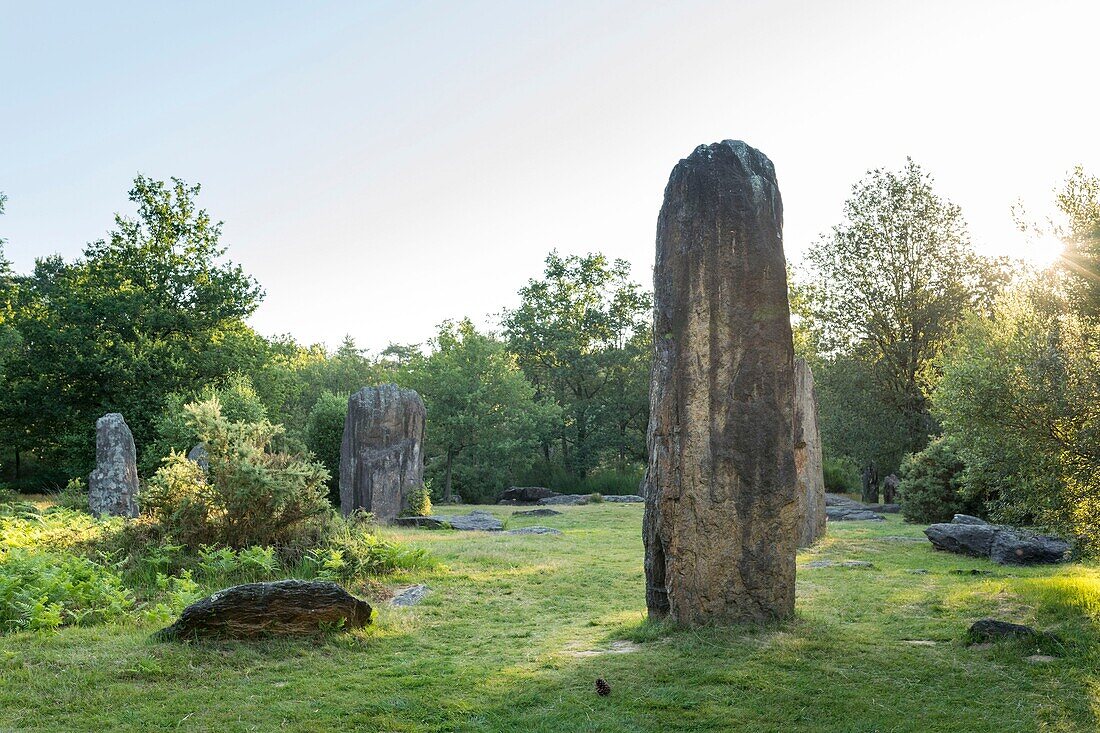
199,455
113,485
807,456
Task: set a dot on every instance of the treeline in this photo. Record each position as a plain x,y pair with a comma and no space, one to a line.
976,379
154,316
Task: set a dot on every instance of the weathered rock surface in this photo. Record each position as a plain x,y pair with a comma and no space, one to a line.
890,486
883,508
474,521
538,513
534,530
113,485
807,456
721,519
381,457
285,607
410,596
1002,544
566,499
525,494
852,514
990,629
199,455
841,500
624,499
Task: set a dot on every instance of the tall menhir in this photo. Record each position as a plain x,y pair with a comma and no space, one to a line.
721,515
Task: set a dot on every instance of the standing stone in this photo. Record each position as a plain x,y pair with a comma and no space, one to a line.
721,515
113,485
807,456
381,457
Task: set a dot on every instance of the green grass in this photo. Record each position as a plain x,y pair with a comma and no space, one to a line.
504,642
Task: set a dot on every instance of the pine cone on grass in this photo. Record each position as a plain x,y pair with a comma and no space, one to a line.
602,688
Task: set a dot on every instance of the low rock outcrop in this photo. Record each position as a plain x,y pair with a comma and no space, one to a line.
285,607
1002,544
474,521
525,494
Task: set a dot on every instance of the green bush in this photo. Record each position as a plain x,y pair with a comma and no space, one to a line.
420,502
324,434
250,493
841,475
352,552
45,590
931,483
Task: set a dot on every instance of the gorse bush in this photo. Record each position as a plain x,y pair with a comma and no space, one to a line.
46,590
931,484
419,501
249,495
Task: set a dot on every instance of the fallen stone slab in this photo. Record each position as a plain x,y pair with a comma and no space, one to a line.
1002,544
410,596
566,499
625,499
534,530
991,629
525,494
281,608
538,513
845,514
841,500
474,521
838,564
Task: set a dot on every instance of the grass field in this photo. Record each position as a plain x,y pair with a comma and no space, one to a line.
517,628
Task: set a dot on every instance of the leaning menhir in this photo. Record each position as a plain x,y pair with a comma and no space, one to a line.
113,485
381,457
721,516
807,457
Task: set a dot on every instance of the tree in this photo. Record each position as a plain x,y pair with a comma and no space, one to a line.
324,435
891,283
580,335
150,310
484,419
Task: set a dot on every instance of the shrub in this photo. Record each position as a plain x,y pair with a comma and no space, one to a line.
420,501
250,494
841,476
931,484
351,552
74,496
43,590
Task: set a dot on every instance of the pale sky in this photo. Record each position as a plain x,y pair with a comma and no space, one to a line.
383,166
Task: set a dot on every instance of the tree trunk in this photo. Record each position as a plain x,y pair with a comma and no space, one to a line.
447,479
17,464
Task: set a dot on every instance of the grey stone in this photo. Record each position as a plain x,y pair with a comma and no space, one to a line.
410,596
285,607
807,456
721,518
883,508
525,494
564,499
842,501
534,530
1002,544
990,629
840,564
845,514
538,513
967,519
113,485
199,455
474,521
625,499
381,457
890,486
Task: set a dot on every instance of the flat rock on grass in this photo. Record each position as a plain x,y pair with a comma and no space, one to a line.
1002,544
847,514
538,513
615,647
281,608
991,629
838,564
410,596
534,530
625,499
567,499
474,521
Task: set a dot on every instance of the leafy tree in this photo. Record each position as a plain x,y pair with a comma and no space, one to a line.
485,421
579,334
152,309
890,284
324,435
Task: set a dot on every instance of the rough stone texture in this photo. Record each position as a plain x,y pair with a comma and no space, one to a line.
807,456
890,486
270,609
989,629
474,521
410,596
1003,545
566,499
113,485
883,508
624,499
851,514
843,501
199,455
381,457
538,513
721,515
534,530
525,494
